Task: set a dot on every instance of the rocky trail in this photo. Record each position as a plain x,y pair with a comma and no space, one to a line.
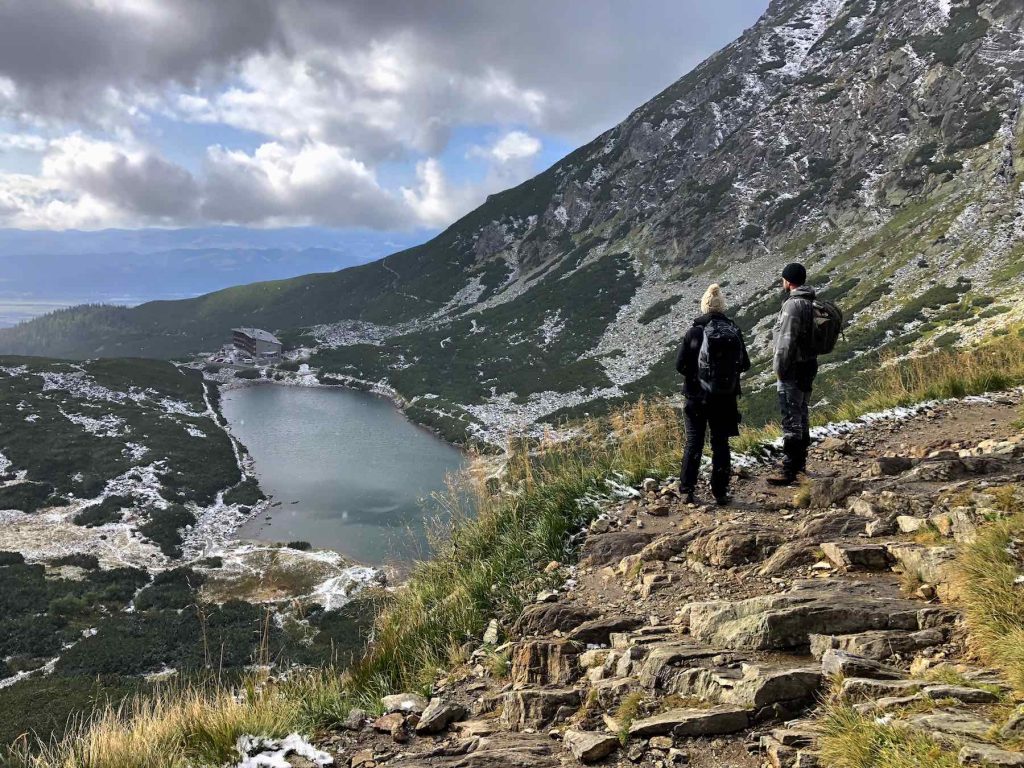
702,636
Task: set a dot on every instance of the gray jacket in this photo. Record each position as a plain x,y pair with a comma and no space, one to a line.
789,338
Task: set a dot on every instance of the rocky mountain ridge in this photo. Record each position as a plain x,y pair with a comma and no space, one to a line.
880,142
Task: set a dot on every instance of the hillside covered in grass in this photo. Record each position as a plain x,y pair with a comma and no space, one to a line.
880,142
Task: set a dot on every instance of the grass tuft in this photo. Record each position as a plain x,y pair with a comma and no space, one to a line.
854,740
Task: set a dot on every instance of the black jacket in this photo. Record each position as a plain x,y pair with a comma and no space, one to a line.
686,360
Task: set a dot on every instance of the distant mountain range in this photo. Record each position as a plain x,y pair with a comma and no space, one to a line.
43,270
882,143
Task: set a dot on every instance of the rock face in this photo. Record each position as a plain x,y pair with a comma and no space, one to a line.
537,708
548,618
546,662
788,620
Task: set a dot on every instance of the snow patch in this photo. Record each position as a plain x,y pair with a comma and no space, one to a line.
260,752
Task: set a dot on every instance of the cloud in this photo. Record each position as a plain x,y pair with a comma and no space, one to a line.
329,94
513,146
316,183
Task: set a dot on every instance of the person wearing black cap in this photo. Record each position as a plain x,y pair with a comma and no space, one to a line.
795,367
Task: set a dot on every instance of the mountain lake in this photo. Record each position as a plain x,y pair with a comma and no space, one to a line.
350,471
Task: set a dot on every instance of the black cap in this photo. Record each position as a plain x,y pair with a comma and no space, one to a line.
795,273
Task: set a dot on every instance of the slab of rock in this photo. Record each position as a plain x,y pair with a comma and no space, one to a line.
878,644
786,621
890,465
976,753
1013,728
951,722
865,688
831,525
543,619
536,708
356,719
832,491
836,663
439,714
692,722
546,662
598,631
389,723
589,747
961,693
500,750
662,661
609,548
407,703
857,557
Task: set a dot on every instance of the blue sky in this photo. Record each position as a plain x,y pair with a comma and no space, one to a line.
383,115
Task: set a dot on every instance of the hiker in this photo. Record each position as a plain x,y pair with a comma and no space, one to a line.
711,358
795,365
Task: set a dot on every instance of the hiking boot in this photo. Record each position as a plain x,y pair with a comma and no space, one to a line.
782,479
689,497
724,500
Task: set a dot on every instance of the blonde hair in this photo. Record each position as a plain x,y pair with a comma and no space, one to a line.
713,300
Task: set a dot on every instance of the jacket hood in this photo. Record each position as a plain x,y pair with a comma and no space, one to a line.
803,292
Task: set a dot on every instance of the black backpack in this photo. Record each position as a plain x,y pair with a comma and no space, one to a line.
825,327
720,360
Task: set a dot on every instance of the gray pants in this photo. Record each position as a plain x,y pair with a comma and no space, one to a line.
796,425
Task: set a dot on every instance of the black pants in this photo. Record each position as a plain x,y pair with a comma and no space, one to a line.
699,418
796,426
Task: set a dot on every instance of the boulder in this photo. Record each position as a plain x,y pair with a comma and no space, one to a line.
499,750
407,703
878,644
543,619
546,662
662,661
535,708
791,554
857,557
608,548
832,491
589,747
831,525
931,565
1013,728
890,465
392,723
356,719
598,631
726,547
439,714
692,722
764,686
836,663
670,545
910,524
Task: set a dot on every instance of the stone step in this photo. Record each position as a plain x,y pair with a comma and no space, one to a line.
689,722
857,557
879,644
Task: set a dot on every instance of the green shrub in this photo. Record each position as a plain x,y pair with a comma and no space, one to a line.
246,493
107,511
659,309
164,528
248,373
26,496
302,546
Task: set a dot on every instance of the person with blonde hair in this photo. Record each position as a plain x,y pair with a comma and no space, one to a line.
711,359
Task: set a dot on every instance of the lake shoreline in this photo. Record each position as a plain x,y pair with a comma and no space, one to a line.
349,474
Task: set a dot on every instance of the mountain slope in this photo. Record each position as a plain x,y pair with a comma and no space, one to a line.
880,142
